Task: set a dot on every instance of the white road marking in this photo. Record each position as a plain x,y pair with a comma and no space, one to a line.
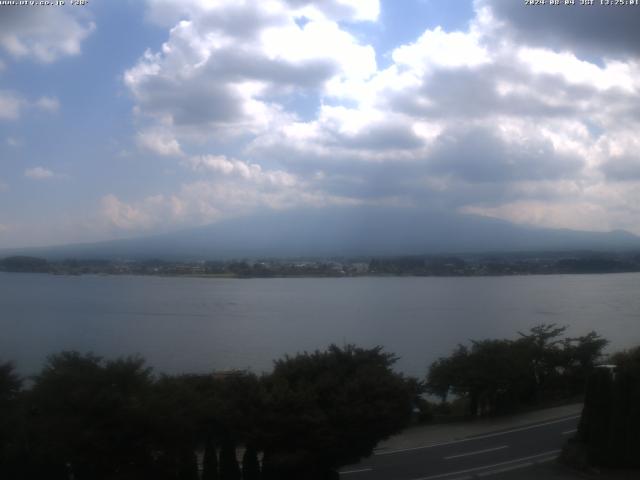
569,432
362,470
545,460
518,466
480,437
523,460
477,452
505,469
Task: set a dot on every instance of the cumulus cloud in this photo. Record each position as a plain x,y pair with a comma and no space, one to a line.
159,142
602,30
38,173
496,119
481,156
246,171
42,34
208,201
437,48
224,68
623,169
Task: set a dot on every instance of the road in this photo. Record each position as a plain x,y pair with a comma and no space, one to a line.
476,457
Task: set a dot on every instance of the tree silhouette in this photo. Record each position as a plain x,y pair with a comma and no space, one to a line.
497,376
250,464
327,409
210,461
610,424
229,468
87,416
10,422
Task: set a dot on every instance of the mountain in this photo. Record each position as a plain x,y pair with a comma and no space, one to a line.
354,231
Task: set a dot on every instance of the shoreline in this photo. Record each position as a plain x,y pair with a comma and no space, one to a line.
232,276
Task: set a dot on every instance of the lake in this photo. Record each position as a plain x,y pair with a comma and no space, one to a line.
202,324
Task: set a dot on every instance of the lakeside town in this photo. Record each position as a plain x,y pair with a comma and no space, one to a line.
537,263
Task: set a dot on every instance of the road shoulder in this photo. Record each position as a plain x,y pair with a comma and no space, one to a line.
428,435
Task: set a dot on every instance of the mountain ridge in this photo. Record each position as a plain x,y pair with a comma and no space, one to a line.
352,232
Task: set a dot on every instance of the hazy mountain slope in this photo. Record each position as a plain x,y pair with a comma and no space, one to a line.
345,231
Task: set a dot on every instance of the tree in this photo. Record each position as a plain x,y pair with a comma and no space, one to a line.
489,374
178,408
10,383
496,376
88,416
580,357
25,264
210,462
609,427
250,464
449,373
10,435
327,409
543,343
229,468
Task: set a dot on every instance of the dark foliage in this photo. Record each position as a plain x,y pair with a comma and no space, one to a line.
498,376
89,417
250,464
229,468
24,264
10,438
210,462
610,423
92,419
327,409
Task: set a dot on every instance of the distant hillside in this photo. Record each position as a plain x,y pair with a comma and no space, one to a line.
344,232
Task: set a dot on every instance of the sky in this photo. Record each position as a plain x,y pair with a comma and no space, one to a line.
123,118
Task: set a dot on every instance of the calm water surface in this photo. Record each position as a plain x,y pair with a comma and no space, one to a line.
197,324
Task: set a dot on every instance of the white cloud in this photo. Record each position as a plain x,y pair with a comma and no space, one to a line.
224,71
615,74
159,142
48,104
204,202
43,34
126,216
10,105
229,187
475,119
38,173
250,172
437,48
